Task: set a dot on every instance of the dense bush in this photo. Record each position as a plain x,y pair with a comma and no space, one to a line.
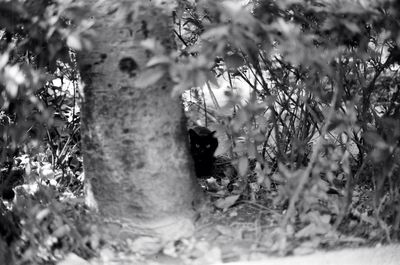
39,129
322,115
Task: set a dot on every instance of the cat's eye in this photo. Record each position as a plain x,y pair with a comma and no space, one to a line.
208,146
197,146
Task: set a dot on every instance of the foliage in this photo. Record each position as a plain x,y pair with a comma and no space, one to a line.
318,129
40,96
51,228
323,112
34,49
39,131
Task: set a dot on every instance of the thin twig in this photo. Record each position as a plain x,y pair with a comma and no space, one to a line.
304,177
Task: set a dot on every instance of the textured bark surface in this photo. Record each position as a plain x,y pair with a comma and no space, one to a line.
134,140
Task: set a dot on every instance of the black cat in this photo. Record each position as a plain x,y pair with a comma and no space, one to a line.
203,144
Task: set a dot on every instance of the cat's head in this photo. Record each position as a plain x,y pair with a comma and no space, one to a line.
202,142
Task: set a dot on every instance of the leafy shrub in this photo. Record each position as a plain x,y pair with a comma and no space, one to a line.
323,110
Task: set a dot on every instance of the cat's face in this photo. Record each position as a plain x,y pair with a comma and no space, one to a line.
202,143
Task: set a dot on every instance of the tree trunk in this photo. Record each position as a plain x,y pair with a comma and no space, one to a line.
135,146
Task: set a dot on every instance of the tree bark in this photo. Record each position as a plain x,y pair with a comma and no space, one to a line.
135,146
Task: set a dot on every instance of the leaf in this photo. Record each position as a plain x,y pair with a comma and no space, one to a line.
243,165
212,79
232,7
307,247
369,220
353,8
379,155
284,171
4,59
234,61
11,14
12,89
179,89
13,78
47,173
353,27
311,230
74,42
146,245
42,214
375,140
224,230
335,123
225,203
62,231
156,60
216,33
199,78
75,12
87,43
153,45
73,259
150,76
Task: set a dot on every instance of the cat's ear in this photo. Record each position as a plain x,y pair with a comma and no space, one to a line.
192,133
